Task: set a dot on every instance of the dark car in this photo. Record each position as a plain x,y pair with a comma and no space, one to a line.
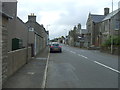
55,47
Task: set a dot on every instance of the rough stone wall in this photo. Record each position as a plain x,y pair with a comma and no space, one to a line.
0,57
4,53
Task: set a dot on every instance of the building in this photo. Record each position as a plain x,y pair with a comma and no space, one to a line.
101,27
15,49
4,18
83,38
38,36
19,40
109,26
77,36
17,28
93,27
71,40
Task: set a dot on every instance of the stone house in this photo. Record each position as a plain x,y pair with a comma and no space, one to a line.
13,59
93,25
38,36
77,36
110,25
18,33
83,38
16,37
17,28
4,18
71,40
100,27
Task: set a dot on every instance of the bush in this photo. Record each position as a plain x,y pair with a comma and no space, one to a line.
116,41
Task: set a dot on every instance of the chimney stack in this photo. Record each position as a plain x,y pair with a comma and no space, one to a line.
106,11
32,17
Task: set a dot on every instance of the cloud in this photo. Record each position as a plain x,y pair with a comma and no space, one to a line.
62,14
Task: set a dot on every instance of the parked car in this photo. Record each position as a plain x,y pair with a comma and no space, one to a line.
55,47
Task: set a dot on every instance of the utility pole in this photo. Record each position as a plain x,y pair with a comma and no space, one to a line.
112,31
47,28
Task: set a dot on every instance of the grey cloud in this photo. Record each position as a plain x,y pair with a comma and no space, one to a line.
71,12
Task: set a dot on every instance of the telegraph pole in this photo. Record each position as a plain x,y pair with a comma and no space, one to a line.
47,28
112,31
119,48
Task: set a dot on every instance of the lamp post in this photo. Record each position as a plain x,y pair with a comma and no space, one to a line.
47,27
48,33
65,36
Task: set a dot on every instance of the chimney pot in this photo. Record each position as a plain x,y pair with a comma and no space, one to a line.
106,11
32,17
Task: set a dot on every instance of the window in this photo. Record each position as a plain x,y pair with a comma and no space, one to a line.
31,29
117,25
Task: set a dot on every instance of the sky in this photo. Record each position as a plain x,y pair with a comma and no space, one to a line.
60,16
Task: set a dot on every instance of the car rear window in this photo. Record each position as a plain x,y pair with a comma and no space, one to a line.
55,44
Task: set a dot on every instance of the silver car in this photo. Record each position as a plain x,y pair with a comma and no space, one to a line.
55,47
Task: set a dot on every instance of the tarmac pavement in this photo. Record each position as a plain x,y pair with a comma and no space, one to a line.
30,75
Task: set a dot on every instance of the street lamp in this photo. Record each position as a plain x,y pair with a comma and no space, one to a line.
47,27
65,36
48,33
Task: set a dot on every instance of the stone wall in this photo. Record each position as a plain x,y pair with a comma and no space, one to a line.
4,54
108,50
0,57
3,48
16,59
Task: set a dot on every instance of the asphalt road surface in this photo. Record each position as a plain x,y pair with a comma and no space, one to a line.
78,68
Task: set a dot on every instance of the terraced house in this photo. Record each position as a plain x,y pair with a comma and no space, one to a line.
20,41
38,36
4,18
109,26
100,27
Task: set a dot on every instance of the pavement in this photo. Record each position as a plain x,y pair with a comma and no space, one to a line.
31,75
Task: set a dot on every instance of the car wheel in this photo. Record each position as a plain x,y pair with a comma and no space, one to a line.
60,51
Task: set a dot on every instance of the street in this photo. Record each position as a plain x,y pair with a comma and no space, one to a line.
78,68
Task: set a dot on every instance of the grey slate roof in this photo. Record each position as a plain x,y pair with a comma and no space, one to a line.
83,31
111,14
97,18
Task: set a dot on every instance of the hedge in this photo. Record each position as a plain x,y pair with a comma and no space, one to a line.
116,41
